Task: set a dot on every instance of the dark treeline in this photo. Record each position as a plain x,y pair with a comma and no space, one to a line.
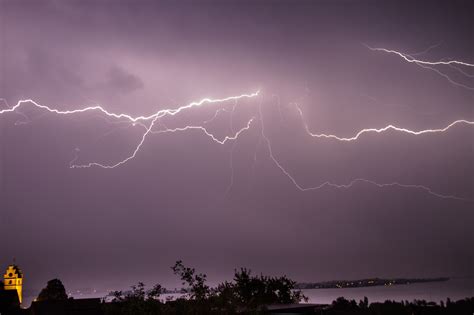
245,294
417,307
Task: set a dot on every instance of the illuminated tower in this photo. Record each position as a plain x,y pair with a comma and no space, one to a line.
13,280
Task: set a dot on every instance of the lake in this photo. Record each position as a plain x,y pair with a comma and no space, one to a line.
455,289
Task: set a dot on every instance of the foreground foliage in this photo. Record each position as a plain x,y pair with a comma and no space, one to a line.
247,293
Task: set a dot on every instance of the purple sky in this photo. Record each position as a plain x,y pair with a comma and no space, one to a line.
109,228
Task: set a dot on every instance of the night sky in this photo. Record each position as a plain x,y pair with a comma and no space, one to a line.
223,206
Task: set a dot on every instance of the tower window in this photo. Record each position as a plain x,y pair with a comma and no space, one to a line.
10,274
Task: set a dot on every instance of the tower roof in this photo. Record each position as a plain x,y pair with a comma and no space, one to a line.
14,268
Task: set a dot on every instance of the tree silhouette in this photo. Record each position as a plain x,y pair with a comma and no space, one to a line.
196,282
54,291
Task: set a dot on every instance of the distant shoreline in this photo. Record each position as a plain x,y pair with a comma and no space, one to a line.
363,283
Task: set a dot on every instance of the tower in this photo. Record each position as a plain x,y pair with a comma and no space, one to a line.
13,280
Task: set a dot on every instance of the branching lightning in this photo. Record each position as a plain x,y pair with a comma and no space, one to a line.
409,58
137,148
206,132
343,186
153,124
215,115
138,120
431,65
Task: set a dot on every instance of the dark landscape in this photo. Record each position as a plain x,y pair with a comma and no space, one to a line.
244,294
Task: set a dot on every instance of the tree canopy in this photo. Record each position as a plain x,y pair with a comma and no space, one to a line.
54,291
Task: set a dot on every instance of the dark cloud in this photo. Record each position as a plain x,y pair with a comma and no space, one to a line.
122,81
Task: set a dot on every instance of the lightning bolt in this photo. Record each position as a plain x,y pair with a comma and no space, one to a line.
411,59
18,122
462,71
207,133
343,186
447,77
139,120
430,65
137,148
215,115
150,122
159,114
381,130
419,53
